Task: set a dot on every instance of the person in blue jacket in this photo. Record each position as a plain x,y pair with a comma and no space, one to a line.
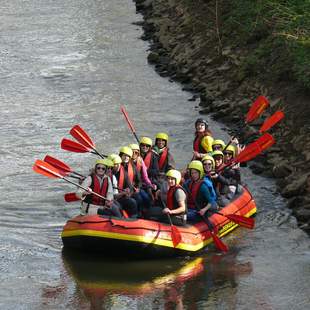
199,198
208,167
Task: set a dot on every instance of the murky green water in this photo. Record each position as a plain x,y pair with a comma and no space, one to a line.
69,62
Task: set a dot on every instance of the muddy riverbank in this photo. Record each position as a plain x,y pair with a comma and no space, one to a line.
188,44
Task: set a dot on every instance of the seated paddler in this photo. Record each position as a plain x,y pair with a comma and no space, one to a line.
199,197
99,182
171,199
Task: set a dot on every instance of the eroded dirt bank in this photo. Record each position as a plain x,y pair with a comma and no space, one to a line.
188,44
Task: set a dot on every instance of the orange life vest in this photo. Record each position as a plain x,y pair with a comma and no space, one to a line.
130,173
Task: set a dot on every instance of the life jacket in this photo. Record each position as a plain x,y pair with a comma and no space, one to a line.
122,175
163,157
148,159
171,197
194,188
210,186
95,186
197,144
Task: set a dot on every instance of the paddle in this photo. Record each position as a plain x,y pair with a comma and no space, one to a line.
239,219
130,125
253,149
72,146
70,197
256,109
80,135
271,121
219,244
61,165
175,234
50,171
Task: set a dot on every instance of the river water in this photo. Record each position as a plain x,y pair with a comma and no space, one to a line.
75,62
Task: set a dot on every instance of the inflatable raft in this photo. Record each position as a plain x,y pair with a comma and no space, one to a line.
141,238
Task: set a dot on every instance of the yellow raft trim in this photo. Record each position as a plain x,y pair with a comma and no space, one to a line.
157,241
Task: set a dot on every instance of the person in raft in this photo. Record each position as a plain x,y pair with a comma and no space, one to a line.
99,182
199,198
232,172
129,170
222,178
150,159
147,186
218,145
166,161
208,167
170,200
123,195
203,139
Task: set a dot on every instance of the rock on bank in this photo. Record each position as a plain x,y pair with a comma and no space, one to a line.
192,43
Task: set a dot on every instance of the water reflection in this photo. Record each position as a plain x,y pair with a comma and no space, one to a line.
156,284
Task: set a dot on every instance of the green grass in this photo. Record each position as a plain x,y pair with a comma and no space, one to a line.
277,33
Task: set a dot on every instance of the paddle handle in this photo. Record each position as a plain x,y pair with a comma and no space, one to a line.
229,143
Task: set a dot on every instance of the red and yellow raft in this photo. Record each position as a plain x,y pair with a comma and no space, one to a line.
140,237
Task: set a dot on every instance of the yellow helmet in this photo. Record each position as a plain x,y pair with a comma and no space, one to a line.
197,165
108,162
217,152
134,146
115,159
146,140
162,135
218,142
232,149
209,157
100,161
126,150
174,174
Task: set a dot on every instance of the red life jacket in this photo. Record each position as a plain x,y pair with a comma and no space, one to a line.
147,159
95,186
163,159
171,197
130,173
194,188
197,144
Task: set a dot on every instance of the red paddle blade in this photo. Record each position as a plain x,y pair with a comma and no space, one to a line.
70,197
73,146
46,169
242,220
250,151
80,135
255,148
257,108
271,121
175,235
131,127
220,245
57,163
265,141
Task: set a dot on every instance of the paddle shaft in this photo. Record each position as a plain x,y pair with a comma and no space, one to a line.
82,187
130,125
